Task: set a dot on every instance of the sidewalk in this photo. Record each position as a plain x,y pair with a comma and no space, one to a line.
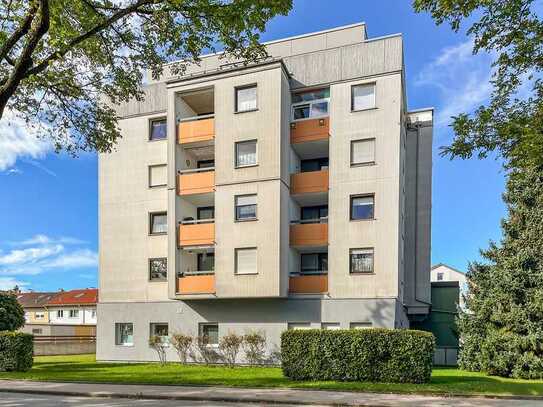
242,395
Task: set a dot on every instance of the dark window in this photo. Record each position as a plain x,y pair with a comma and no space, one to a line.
205,164
158,268
211,332
160,329
124,334
206,212
158,129
158,223
246,98
245,207
362,207
206,261
37,331
439,276
312,263
361,260
314,212
316,164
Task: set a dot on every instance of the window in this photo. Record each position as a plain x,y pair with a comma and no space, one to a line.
362,207
246,261
159,329
314,212
158,223
363,151
245,207
206,261
93,313
361,260
40,315
439,276
310,104
124,334
299,325
313,263
157,129
158,175
360,325
205,164
211,331
74,313
363,97
246,98
158,269
317,164
330,325
205,212
245,153
37,331
60,313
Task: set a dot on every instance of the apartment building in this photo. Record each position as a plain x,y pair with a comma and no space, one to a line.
289,193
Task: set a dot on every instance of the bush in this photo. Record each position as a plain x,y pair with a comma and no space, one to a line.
254,344
376,355
229,347
12,314
16,351
182,344
157,343
207,352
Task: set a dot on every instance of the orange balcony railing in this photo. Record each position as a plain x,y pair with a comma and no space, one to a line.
310,130
197,181
309,234
197,233
309,182
196,130
308,284
196,284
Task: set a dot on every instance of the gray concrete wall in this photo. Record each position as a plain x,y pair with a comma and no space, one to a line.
64,348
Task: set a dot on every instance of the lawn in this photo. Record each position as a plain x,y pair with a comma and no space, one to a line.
85,368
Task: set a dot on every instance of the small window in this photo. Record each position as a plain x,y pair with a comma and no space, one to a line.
330,325
246,153
158,269
74,313
205,164
60,313
205,212
206,261
158,223
363,151
299,325
361,260
157,129
362,207
314,263
159,329
211,331
158,175
245,207
37,331
246,98
124,334
363,97
440,276
246,261
360,325
40,315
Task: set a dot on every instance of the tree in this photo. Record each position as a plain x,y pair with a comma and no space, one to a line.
64,62
512,122
12,314
502,330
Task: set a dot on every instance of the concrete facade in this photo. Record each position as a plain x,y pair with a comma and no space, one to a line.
395,238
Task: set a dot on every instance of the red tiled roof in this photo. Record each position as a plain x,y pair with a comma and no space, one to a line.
74,297
35,299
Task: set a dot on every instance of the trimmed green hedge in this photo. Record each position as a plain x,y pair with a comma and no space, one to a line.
376,355
16,351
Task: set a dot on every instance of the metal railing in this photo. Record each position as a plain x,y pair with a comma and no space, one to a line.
309,273
195,170
196,273
196,221
195,118
323,219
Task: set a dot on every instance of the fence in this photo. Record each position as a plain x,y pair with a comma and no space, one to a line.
64,345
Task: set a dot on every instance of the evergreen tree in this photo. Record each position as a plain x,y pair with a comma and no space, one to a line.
502,329
12,315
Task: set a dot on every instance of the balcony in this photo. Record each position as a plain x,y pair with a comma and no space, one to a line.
196,181
308,130
198,282
197,233
308,284
196,129
309,182
309,234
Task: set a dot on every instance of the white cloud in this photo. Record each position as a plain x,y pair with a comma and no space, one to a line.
29,255
461,78
8,283
43,239
19,140
77,259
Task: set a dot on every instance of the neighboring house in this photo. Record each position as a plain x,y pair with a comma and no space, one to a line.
74,307
36,314
442,273
292,192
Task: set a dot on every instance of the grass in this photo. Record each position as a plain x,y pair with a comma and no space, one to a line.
85,368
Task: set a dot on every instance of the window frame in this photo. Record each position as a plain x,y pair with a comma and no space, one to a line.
330,326
298,325
238,249
165,339
310,103
351,207
320,261
236,206
374,84
201,326
151,279
150,131
118,337
200,209
243,87
73,313
60,313
151,217
149,176
236,160
199,260
351,272
366,163
361,325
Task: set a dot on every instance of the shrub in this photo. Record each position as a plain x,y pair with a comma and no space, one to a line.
377,355
12,315
16,351
254,344
157,343
229,347
207,352
182,344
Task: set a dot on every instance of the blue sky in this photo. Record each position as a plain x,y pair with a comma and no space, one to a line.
48,205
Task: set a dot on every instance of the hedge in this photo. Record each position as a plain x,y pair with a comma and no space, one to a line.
16,351
376,355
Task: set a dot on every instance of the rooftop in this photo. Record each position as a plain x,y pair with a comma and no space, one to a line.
86,296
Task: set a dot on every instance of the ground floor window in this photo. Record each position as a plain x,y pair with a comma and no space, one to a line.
330,325
211,332
124,334
360,325
160,329
299,325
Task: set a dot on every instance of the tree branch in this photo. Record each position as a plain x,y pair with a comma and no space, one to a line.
19,32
